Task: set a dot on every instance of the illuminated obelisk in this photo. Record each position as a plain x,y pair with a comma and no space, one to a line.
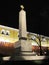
25,46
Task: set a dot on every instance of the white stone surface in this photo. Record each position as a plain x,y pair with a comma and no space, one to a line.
25,45
22,23
6,58
25,58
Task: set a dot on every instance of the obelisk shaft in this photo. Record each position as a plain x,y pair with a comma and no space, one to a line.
22,23
25,46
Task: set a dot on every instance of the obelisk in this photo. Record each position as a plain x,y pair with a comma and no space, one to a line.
25,46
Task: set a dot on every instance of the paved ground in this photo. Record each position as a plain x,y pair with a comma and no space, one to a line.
26,59
33,58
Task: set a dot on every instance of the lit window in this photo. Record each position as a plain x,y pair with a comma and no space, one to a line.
44,40
7,32
2,31
33,37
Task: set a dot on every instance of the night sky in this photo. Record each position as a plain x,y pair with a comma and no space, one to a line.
37,14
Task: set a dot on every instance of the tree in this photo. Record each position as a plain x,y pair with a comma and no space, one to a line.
34,39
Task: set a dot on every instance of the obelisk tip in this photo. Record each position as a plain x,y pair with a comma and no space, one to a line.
22,7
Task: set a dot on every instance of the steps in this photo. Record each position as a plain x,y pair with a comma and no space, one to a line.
19,58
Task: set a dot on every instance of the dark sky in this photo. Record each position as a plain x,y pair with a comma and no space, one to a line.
37,15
